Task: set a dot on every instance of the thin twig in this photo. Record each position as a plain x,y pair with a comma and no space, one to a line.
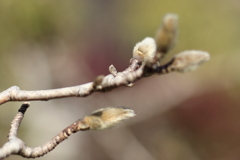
147,55
99,120
14,144
107,83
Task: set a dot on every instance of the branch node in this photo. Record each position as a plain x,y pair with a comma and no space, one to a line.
97,82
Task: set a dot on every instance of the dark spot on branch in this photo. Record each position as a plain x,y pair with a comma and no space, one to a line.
23,108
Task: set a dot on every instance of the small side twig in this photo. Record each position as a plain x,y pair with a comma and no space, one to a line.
14,144
99,120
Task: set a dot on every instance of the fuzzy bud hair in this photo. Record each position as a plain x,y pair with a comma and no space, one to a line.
167,33
189,60
145,50
108,117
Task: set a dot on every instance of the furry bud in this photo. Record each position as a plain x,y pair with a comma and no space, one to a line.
189,60
108,117
167,33
145,50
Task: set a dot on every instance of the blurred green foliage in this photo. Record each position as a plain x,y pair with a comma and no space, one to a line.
205,25
37,20
209,25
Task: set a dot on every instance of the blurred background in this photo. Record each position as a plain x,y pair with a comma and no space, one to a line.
53,44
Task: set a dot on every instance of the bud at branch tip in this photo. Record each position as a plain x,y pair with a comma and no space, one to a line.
108,117
189,60
145,50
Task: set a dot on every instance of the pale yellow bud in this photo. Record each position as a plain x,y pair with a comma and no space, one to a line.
167,33
108,117
145,50
189,60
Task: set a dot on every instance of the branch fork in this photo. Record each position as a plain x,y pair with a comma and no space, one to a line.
146,61
99,120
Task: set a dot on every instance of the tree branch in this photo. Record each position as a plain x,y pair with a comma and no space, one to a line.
137,69
145,62
101,84
99,120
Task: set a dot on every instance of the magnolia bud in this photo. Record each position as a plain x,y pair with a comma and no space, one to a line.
189,60
108,117
167,33
145,50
